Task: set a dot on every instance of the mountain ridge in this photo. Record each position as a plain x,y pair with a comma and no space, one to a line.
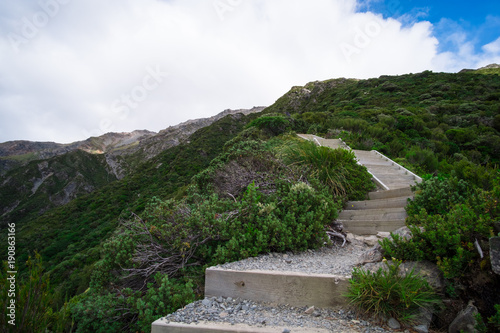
17,153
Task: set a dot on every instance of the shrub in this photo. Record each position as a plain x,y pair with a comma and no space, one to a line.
438,194
446,219
390,293
336,168
129,310
273,124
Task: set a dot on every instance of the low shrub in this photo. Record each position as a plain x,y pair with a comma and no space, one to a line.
447,218
275,125
390,293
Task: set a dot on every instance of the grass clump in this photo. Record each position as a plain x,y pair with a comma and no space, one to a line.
336,168
389,293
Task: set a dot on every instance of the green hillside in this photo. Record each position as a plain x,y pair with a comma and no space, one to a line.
246,185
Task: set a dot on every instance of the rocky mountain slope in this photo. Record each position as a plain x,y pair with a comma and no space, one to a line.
37,176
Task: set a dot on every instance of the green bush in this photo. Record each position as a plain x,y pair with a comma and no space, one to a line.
446,240
293,219
129,310
273,124
446,218
438,194
336,168
390,293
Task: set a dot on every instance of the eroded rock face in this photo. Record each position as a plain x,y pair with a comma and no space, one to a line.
495,254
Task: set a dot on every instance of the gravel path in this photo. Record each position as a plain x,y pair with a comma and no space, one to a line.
327,260
236,311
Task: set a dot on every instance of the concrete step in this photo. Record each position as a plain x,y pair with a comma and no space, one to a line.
399,202
395,177
402,192
160,326
367,227
393,185
331,143
374,163
385,169
373,214
292,288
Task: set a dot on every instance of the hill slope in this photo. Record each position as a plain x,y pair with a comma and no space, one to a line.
433,123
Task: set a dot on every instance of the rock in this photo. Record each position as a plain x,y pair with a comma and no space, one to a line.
310,310
404,233
421,329
286,330
371,240
383,234
465,320
429,271
375,254
495,254
394,324
206,302
350,237
423,321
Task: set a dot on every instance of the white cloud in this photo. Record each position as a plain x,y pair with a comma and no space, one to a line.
72,76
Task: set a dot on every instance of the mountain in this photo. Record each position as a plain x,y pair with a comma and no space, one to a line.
38,176
123,151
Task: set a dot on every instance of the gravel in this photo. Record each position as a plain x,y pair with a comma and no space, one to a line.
327,260
237,311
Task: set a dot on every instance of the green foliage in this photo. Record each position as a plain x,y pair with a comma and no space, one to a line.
293,219
430,122
446,219
33,312
495,319
437,195
128,310
275,125
389,292
188,235
336,168
69,237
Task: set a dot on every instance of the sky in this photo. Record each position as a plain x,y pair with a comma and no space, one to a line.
72,69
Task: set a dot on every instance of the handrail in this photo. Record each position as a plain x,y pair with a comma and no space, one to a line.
378,181
417,178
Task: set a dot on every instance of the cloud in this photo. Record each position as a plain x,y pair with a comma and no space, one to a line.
71,68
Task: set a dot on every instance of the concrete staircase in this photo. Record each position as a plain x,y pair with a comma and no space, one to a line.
383,212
